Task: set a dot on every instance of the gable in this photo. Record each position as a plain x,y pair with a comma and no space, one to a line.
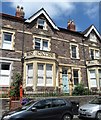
40,12
92,31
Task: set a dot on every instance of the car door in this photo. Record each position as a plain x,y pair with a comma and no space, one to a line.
43,110
58,108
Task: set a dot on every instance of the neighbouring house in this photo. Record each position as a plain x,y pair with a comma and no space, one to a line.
48,57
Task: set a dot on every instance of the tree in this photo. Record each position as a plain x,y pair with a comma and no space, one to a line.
15,86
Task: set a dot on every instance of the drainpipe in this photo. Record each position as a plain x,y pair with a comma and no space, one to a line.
22,56
85,62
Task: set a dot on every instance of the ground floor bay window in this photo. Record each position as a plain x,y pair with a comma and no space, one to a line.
94,77
39,75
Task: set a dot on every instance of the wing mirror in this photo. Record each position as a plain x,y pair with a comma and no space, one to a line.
34,109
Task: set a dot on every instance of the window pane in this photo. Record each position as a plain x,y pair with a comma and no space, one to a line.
7,41
40,74
5,66
99,73
93,78
75,76
49,74
97,54
92,54
92,74
37,43
41,23
30,74
7,37
45,45
57,103
5,74
74,51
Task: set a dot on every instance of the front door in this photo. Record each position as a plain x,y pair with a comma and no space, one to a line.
65,82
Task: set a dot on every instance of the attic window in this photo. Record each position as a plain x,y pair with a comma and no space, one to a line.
41,24
93,37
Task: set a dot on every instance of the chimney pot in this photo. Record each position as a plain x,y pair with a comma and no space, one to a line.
71,25
19,12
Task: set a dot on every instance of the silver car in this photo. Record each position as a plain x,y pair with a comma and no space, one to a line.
91,110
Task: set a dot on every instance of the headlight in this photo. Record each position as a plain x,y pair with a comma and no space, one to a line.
6,117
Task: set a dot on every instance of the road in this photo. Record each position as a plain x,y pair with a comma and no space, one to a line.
76,118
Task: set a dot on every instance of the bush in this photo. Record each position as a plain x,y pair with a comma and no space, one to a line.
15,86
80,90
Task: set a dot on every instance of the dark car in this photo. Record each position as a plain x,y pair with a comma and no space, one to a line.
45,109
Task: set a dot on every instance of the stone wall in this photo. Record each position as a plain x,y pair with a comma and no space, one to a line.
6,105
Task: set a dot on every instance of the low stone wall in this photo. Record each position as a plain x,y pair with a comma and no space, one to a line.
81,99
7,105
4,105
14,104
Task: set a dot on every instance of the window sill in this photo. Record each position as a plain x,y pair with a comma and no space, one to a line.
6,49
75,58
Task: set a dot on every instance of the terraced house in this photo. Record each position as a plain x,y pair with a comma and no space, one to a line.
48,57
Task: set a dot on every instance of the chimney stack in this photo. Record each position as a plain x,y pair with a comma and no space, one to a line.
71,25
19,12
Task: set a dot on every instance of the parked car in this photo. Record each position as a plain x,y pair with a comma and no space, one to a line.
45,109
91,110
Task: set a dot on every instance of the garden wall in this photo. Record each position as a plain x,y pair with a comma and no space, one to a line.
7,105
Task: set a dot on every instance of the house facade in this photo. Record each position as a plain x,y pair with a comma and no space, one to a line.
48,57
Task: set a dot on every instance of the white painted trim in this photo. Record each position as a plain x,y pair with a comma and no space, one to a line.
10,69
92,27
10,59
56,38
39,13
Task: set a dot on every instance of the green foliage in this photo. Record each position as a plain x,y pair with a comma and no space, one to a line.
15,85
80,90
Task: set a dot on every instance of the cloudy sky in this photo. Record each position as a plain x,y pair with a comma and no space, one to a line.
83,13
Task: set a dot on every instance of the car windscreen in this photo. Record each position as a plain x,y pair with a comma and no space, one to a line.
96,101
28,104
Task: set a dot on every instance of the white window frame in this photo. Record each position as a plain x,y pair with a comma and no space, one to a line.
41,43
6,73
45,75
27,84
42,25
91,86
94,50
47,84
77,69
41,84
7,42
77,50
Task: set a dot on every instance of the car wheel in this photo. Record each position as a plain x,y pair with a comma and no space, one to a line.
66,117
98,115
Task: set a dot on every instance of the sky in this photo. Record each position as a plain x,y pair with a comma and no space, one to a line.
82,13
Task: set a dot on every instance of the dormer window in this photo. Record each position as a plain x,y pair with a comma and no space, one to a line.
41,24
93,37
